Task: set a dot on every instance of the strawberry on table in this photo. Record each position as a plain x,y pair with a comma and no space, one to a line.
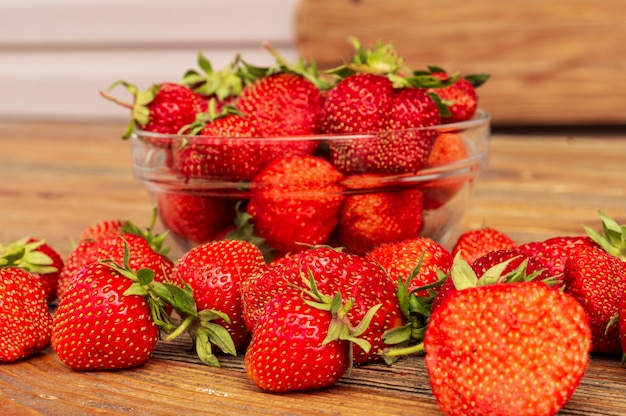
304,341
26,320
474,243
400,260
358,278
597,280
554,251
295,201
146,250
41,260
214,271
492,349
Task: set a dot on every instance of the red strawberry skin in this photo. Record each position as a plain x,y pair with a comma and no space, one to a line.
553,252
356,277
222,150
474,243
296,200
97,327
597,280
462,96
287,351
370,219
402,148
447,149
173,107
26,327
50,280
196,217
400,259
214,271
491,349
111,246
285,104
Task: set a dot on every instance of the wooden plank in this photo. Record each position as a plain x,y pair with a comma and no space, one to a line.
557,62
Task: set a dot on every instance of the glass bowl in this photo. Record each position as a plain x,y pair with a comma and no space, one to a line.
338,193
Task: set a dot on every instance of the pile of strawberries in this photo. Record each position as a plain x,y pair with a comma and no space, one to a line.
255,143
506,328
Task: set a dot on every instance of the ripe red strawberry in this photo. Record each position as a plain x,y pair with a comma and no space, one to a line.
95,231
223,150
41,260
286,104
553,252
163,108
474,243
26,320
404,146
491,349
99,325
367,220
358,278
400,260
447,149
597,280
303,342
518,265
295,201
146,250
461,97
214,272
196,217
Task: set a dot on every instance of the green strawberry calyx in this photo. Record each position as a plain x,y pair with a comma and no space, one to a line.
140,113
24,254
340,327
221,84
155,240
613,241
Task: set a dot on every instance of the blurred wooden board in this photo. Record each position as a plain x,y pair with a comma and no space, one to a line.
552,62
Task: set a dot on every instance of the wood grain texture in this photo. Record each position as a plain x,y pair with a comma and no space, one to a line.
57,178
556,62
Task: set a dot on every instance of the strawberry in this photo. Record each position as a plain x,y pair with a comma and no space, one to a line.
491,349
597,280
400,260
359,279
95,231
41,260
554,251
474,243
405,146
303,342
461,97
26,320
110,316
224,148
195,217
146,250
369,219
357,104
163,108
447,149
295,201
214,271
286,104
519,265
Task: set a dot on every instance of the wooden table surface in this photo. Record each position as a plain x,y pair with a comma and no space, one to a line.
55,179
